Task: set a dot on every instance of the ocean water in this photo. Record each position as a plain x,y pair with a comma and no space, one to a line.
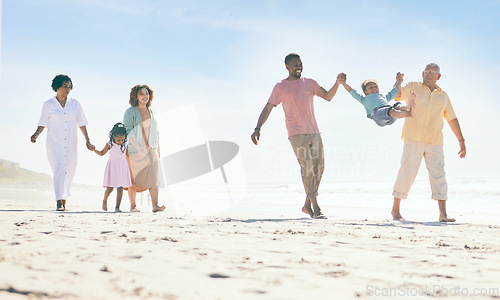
470,200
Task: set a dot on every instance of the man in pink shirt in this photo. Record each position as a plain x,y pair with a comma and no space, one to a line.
296,95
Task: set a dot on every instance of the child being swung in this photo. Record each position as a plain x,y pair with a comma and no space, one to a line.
117,173
377,105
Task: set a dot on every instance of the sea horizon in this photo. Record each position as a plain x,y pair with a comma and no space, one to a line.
471,200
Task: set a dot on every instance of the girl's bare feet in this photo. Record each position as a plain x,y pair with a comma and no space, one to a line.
104,205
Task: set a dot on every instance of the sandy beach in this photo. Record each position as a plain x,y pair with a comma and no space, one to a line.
89,254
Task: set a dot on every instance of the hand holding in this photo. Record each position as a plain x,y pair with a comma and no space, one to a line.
399,77
342,78
34,137
90,146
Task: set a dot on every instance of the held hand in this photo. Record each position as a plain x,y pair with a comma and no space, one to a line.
90,146
33,138
399,77
256,136
342,78
463,150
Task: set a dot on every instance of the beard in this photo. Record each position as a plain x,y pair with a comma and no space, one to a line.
296,75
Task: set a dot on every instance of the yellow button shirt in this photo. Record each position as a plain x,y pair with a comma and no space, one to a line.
431,108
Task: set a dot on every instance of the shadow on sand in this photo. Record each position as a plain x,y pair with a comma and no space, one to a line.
269,220
405,223
60,212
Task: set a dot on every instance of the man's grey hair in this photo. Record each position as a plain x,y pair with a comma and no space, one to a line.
433,65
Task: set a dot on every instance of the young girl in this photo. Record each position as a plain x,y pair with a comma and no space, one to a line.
117,173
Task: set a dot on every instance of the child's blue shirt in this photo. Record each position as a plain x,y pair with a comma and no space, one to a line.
372,101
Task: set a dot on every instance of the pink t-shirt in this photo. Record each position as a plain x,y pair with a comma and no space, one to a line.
296,96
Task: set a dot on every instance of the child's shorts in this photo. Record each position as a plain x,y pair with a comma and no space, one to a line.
381,116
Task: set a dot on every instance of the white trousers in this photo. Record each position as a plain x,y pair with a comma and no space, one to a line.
410,163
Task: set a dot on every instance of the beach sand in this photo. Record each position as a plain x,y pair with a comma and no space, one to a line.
90,254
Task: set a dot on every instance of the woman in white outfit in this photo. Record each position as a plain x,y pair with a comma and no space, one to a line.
62,116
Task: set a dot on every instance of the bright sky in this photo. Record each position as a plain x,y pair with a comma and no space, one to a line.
224,57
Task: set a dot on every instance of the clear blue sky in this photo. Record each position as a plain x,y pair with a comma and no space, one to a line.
224,57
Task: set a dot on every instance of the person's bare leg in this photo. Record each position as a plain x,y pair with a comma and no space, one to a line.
399,114
317,214
443,217
131,195
396,215
107,192
119,195
307,207
400,106
154,200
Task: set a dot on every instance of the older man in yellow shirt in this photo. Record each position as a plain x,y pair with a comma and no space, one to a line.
423,137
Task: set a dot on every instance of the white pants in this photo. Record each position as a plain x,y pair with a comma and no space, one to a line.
410,163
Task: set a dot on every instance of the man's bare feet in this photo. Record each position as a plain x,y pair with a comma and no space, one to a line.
446,219
104,206
396,215
443,216
159,208
319,215
307,210
412,105
118,210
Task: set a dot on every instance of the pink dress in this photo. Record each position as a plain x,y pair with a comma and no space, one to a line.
117,173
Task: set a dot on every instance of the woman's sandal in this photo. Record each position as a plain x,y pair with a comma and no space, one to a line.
60,206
